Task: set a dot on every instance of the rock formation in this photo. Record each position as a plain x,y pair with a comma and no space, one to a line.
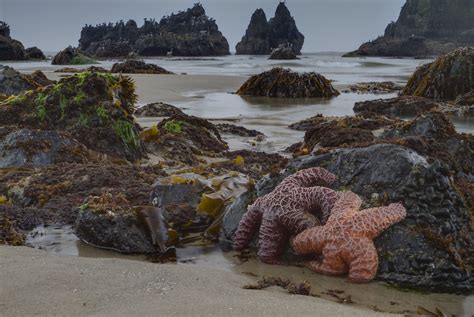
283,83
283,53
34,53
71,56
447,78
430,27
262,37
138,67
13,83
187,33
10,49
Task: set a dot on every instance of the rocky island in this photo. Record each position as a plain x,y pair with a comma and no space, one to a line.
263,36
187,33
425,28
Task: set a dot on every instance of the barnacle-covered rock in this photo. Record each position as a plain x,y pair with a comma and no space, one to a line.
283,83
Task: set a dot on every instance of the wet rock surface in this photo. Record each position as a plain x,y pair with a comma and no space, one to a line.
34,53
96,69
237,130
14,83
187,33
158,109
378,88
71,56
283,83
447,78
10,49
425,28
399,106
138,67
95,108
262,37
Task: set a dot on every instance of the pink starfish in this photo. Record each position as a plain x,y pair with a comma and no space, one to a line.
346,240
291,208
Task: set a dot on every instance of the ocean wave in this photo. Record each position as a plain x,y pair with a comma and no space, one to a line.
337,64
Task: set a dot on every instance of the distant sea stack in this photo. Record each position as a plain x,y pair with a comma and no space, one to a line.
262,37
10,49
188,33
425,28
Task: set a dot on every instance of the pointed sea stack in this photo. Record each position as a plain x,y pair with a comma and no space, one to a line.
425,28
262,37
187,33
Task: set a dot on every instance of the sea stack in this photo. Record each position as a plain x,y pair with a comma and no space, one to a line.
425,28
187,33
262,37
10,49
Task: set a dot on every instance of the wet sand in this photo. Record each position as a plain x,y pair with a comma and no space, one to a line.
36,283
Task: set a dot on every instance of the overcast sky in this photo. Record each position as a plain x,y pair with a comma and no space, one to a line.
328,25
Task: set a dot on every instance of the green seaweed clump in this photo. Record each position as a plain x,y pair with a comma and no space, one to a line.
126,131
174,127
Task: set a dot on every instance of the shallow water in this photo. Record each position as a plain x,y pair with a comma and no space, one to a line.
60,240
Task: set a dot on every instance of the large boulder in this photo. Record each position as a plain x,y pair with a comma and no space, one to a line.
187,33
10,49
94,108
448,77
262,37
398,106
283,53
431,27
34,53
283,83
137,67
71,56
13,82
432,248
39,148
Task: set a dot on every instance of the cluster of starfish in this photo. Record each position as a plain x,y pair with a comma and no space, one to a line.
322,221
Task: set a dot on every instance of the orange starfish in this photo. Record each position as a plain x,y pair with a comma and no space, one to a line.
346,240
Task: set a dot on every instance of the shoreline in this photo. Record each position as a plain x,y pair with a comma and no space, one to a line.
66,285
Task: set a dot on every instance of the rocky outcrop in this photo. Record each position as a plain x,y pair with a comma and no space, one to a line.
283,83
431,27
262,37
283,53
138,67
10,49
94,108
448,77
398,106
187,33
377,88
158,109
71,56
14,83
34,53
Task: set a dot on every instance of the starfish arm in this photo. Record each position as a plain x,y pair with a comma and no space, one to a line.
310,177
247,227
309,241
347,203
364,261
297,220
332,264
319,198
272,240
372,222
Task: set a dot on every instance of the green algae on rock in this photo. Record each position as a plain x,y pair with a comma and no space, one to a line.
284,83
71,56
448,77
95,108
137,67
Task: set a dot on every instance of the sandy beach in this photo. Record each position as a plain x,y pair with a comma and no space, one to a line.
72,286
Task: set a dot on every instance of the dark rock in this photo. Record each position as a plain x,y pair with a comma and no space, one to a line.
39,148
466,99
95,69
10,49
448,77
262,37
283,53
237,130
398,106
34,53
390,173
14,83
188,33
385,87
283,83
158,109
109,222
95,108
424,28
71,56
138,67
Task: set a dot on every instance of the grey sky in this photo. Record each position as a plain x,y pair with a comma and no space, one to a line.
329,25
